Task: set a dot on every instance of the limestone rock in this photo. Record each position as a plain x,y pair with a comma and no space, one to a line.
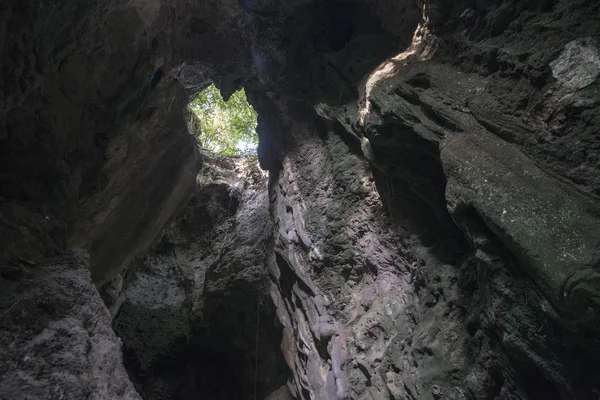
460,261
188,312
56,336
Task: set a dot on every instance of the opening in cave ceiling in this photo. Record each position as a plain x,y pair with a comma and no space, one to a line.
224,127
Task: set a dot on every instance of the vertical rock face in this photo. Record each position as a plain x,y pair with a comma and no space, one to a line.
481,279
195,318
432,218
93,145
371,311
56,336
340,271
486,283
94,154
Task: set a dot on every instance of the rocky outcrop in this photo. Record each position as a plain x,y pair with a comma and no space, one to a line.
93,141
433,193
56,336
194,316
462,130
373,311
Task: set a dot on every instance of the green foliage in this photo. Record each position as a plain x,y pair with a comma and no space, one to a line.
227,128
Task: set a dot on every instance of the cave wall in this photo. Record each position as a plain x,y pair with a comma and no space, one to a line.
56,340
374,308
95,152
194,314
483,147
460,261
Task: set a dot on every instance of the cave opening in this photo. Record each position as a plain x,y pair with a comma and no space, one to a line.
226,127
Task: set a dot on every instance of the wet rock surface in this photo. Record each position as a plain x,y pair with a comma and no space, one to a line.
430,227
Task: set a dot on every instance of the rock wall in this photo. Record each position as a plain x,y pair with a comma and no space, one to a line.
194,315
56,336
433,189
95,154
373,310
466,127
81,143
94,148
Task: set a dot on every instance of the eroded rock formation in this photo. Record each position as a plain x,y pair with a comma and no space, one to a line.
56,337
433,214
194,315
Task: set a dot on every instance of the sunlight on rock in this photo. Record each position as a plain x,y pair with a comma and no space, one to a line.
420,48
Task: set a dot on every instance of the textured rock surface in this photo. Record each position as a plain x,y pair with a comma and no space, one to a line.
56,336
188,315
94,148
469,127
282,393
465,266
371,312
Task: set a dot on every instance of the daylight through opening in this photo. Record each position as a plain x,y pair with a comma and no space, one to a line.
224,127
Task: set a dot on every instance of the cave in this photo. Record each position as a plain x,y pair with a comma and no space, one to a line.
421,219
